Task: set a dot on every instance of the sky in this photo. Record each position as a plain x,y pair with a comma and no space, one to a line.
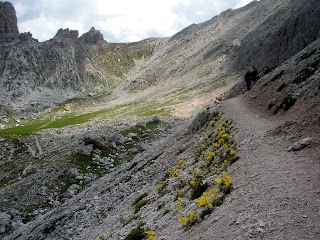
118,20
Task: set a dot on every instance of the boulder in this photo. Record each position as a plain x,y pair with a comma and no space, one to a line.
300,144
201,119
86,150
72,173
140,147
101,145
155,119
119,139
141,124
5,222
91,138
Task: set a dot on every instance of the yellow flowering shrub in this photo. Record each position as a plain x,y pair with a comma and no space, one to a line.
150,234
210,156
179,203
193,183
224,183
173,172
183,220
232,152
180,162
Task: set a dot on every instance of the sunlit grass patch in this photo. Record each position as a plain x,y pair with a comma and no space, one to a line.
50,120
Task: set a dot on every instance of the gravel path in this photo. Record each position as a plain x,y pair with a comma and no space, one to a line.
277,193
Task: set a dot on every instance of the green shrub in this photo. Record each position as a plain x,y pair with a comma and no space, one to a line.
165,212
139,198
139,205
136,234
134,217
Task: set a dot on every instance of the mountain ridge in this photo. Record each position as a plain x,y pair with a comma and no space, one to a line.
137,155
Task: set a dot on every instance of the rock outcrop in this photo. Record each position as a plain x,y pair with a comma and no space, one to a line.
286,32
8,23
64,34
92,37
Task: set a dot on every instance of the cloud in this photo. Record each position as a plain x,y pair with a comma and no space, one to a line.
119,21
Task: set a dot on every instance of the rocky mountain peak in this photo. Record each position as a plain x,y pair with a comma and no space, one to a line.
66,34
8,22
92,37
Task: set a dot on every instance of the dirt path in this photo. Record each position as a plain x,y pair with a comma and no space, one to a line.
188,108
277,193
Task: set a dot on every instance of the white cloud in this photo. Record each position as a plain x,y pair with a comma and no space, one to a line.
119,21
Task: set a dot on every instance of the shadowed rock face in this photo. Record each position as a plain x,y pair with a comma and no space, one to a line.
283,34
8,23
8,19
92,37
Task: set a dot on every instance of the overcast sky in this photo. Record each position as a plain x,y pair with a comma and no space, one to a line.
118,20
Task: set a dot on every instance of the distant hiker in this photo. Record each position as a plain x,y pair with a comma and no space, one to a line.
266,70
247,79
254,76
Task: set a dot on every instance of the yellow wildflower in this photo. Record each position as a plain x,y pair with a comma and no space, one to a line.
224,146
181,161
173,172
183,220
233,152
227,180
193,183
216,145
191,214
219,180
204,200
149,232
210,156
180,198
212,191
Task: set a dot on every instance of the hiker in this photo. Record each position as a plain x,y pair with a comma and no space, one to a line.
254,76
266,70
247,79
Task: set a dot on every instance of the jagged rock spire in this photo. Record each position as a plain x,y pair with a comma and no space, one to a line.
8,22
8,19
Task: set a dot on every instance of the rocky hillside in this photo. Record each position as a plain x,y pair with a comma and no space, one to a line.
42,74
122,164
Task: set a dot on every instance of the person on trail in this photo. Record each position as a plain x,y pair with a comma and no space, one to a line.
266,70
247,79
254,76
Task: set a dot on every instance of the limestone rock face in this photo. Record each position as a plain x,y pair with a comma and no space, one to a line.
92,37
8,19
66,34
8,23
283,34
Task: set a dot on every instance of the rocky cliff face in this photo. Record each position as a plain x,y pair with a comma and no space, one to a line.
8,23
284,33
265,32
43,74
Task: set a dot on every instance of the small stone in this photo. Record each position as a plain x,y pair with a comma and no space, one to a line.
260,230
261,223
